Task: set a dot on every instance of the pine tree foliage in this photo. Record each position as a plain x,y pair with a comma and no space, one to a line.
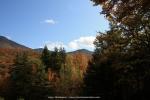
45,57
55,59
29,79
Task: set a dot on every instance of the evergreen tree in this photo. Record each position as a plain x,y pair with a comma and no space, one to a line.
29,79
21,76
58,58
41,87
55,59
46,58
62,55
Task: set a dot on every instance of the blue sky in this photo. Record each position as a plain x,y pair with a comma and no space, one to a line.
34,23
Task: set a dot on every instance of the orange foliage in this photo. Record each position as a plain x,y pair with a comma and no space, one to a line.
7,57
81,60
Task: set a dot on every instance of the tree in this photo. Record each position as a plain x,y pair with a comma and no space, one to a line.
41,86
57,59
100,75
46,57
21,76
70,80
62,55
130,16
29,79
121,58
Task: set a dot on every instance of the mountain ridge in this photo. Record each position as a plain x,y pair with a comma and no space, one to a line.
10,44
7,43
81,51
39,50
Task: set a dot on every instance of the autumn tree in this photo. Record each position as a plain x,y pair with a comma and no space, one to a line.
70,81
120,65
130,16
99,79
64,85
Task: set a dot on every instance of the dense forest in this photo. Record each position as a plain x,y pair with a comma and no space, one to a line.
117,70
30,75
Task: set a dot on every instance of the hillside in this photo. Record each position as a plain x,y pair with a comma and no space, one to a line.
82,51
7,43
9,48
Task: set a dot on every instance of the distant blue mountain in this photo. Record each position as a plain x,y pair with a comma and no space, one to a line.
85,51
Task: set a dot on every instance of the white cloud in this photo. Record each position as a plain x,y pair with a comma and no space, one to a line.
73,45
50,21
80,43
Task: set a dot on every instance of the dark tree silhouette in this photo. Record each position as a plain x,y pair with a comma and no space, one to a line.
120,66
46,57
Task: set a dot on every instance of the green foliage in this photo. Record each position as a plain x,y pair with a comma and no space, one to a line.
64,85
70,82
21,75
29,79
39,73
55,59
46,57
